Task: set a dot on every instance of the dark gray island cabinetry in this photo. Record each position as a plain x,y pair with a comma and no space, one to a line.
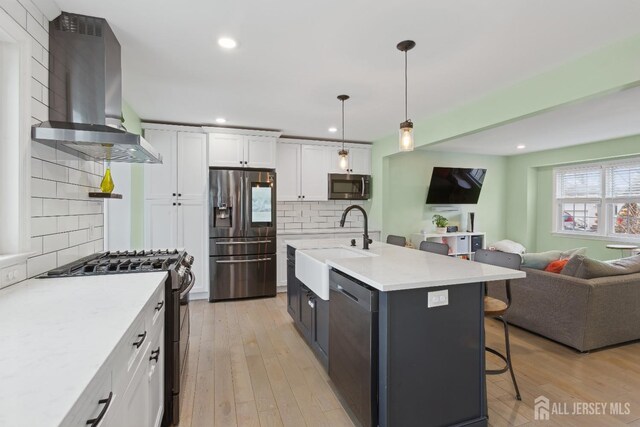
310,313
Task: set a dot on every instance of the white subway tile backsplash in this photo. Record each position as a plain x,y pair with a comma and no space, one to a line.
55,172
78,237
67,223
321,215
55,242
40,264
42,188
36,207
55,207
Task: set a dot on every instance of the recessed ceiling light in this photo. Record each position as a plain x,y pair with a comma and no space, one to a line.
521,147
221,120
227,42
333,129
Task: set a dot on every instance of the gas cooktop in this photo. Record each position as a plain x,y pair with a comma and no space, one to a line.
120,262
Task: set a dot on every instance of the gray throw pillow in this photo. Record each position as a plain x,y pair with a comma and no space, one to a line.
573,252
540,260
571,267
591,268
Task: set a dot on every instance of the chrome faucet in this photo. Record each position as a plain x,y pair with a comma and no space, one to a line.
365,236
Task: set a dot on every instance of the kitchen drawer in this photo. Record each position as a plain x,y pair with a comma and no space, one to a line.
155,308
96,402
130,348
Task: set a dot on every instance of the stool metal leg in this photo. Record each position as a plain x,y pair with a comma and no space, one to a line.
509,364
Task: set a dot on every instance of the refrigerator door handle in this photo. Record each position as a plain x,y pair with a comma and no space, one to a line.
243,243
242,261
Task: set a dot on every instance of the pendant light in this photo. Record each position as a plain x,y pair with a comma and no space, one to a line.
406,127
343,154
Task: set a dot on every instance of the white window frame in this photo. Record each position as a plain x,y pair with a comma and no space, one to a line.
15,185
605,210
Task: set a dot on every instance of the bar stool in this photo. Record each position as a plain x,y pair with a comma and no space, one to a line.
396,240
496,308
434,247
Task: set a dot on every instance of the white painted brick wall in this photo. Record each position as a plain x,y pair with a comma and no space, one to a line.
317,215
65,223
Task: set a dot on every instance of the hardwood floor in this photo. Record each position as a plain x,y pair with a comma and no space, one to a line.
248,366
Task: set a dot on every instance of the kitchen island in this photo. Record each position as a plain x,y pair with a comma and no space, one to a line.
404,331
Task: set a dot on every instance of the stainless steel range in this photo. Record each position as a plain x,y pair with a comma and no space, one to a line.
179,282
242,231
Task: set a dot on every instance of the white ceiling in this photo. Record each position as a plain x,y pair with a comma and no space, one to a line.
295,57
600,118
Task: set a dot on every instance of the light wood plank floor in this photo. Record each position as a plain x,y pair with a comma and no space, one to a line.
247,366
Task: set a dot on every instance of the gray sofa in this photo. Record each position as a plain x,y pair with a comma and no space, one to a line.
583,314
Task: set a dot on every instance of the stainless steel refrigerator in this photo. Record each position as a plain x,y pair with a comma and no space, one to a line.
242,233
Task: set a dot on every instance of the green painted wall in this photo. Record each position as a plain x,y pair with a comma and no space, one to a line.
410,174
608,69
133,124
530,194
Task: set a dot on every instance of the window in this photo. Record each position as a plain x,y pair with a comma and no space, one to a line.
599,199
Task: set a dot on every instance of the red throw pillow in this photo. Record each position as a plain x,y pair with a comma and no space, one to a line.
556,266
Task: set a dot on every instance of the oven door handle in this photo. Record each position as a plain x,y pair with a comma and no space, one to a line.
192,282
243,243
242,261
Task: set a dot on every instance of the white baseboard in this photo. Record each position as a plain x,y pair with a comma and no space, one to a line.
193,296
281,289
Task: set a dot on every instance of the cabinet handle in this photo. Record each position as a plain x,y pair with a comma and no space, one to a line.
159,306
246,163
106,402
142,337
179,194
174,203
174,194
179,204
240,161
303,197
311,303
155,354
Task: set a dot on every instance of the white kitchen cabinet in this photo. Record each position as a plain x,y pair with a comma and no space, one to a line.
192,220
288,172
128,389
178,218
161,224
155,376
314,171
359,160
160,180
302,172
226,150
251,151
192,168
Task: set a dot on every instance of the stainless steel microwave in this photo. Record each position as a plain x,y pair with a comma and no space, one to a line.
349,187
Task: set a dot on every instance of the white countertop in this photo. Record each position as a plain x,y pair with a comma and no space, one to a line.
398,268
55,334
338,230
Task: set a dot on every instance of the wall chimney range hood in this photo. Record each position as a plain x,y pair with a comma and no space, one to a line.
85,94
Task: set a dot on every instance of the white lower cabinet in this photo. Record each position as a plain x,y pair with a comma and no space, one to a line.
128,390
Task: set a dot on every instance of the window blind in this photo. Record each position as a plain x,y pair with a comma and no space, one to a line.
623,181
579,183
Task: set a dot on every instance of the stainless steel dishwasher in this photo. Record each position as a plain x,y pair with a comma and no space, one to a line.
353,345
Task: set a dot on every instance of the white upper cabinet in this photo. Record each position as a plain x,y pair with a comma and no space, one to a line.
161,224
288,172
314,171
160,179
359,160
249,151
192,226
260,152
192,165
226,150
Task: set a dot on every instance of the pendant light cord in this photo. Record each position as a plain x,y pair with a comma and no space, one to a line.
343,124
406,115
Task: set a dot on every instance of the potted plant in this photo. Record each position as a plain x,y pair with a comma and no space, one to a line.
441,223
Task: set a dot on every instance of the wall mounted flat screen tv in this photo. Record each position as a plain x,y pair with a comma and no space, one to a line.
455,186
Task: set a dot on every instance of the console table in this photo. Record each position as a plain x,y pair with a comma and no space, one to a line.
461,244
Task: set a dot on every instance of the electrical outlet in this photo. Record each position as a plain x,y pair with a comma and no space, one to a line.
438,298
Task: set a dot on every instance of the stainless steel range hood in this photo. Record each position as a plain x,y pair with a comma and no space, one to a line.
85,94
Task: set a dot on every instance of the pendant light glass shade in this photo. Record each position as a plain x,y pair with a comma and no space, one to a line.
406,136
405,139
343,154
